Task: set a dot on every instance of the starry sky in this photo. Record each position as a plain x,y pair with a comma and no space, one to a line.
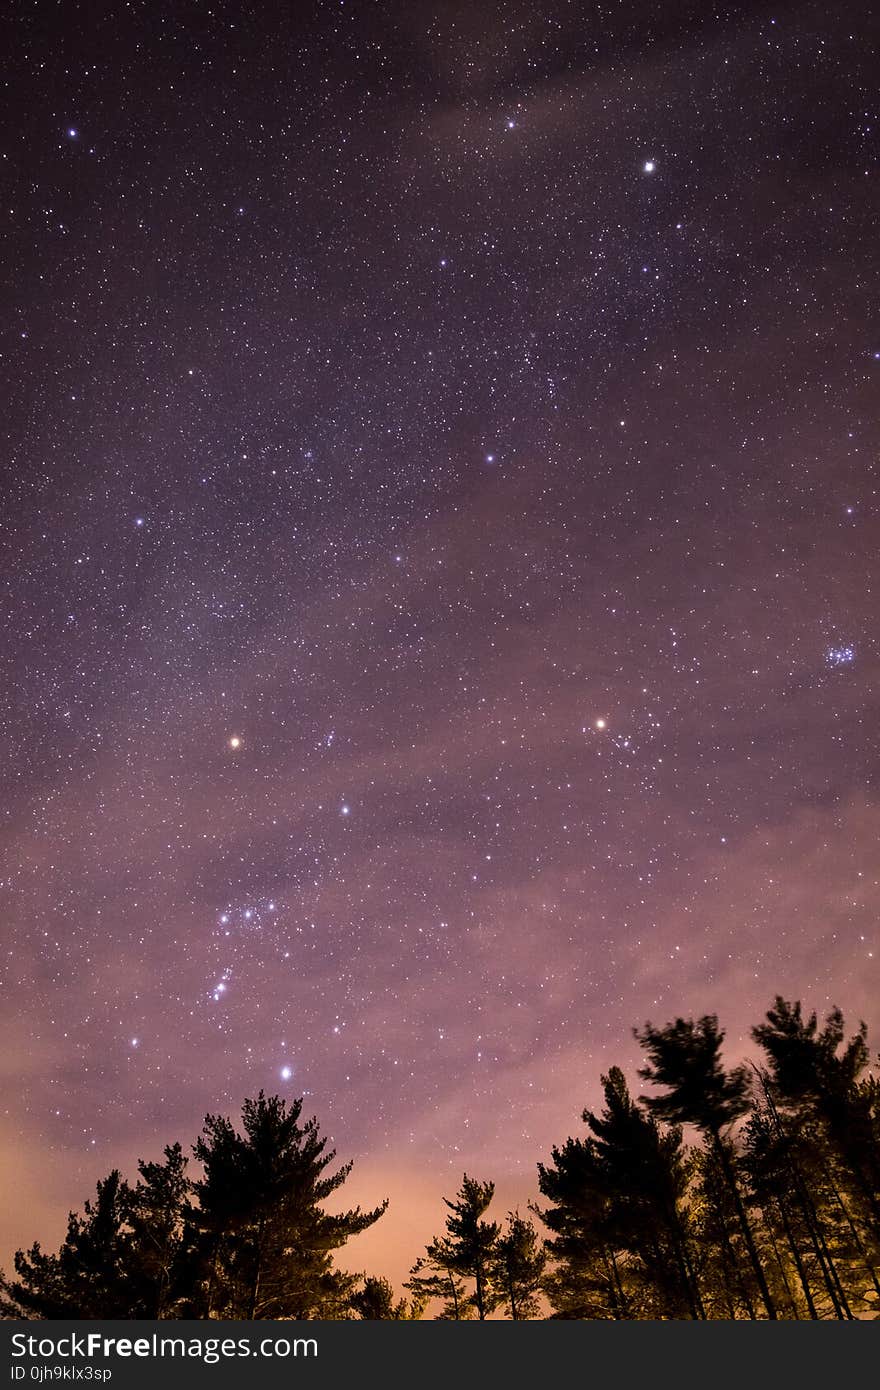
438,566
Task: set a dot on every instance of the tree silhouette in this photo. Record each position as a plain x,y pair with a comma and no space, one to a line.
157,1211
254,1243
775,1212
587,1279
90,1276
619,1215
813,1072
471,1241
647,1176
685,1057
778,1161
467,1251
266,1240
518,1263
432,1277
376,1302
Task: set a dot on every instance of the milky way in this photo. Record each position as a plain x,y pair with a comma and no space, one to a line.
439,540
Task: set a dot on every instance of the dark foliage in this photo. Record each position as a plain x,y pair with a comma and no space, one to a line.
250,1238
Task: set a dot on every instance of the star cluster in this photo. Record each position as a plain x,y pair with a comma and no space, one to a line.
442,513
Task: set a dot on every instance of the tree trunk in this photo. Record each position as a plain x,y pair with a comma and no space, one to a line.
798,1260
808,1208
727,1169
733,1275
512,1295
255,1282
451,1277
857,1240
783,1273
478,1294
692,1292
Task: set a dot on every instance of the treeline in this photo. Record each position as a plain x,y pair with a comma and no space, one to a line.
769,1209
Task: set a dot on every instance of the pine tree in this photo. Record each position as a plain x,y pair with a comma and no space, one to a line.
471,1241
778,1161
432,1277
647,1176
518,1265
465,1252
589,1277
726,1277
376,1302
685,1058
619,1214
266,1241
813,1071
156,1217
816,1085
90,1277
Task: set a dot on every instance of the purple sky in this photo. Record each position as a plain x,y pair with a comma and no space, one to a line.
439,541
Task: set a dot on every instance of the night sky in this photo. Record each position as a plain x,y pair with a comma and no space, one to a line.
439,554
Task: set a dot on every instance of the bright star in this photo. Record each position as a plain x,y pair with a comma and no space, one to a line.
345,810
649,166
235,741
599,724
286,1073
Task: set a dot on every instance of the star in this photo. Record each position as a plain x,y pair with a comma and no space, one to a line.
286,1073
235,742
649,166
600,724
